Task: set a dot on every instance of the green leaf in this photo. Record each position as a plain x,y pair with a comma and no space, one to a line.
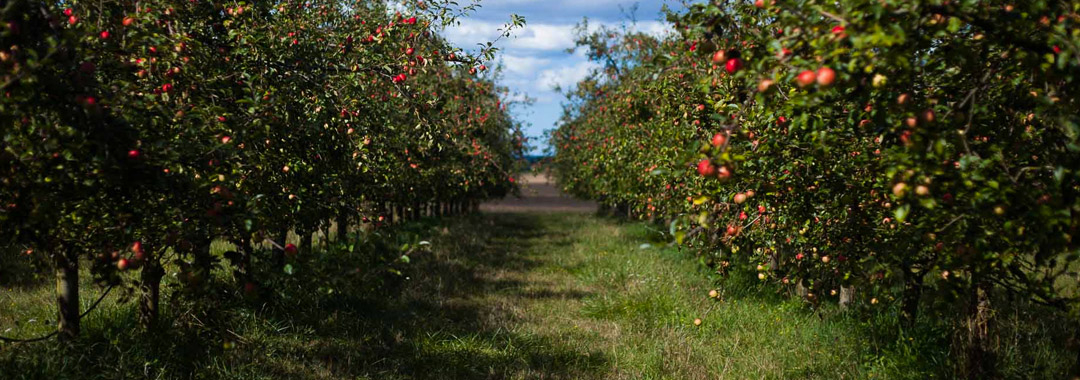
901,213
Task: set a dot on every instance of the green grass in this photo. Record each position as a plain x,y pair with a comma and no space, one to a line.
500,296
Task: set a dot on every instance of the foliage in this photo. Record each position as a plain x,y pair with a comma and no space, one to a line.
136,133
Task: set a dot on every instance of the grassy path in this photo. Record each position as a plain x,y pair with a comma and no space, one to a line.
521,295
571,296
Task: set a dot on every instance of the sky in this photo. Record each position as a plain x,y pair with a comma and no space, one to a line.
534,58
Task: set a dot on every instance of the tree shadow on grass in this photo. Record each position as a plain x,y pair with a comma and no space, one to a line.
444,324
454,319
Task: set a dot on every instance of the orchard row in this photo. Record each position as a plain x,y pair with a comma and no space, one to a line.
898,153
136,133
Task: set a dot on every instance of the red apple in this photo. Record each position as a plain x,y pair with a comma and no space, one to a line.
706,168
899,189
740,198
825,76
765,85
250,289
128,21
733,65
723,173
719,139
928,116
805,78
122,264
719,57
290,250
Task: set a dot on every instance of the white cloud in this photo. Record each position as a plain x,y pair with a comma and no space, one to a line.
655,28
565,76
520,65
531,37
546,37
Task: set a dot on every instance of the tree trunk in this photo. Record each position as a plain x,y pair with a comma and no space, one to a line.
204,263
847,295
67,295
323,232
1075,340
979,363
306,240
800,290
342,224
279,253
909,304
151,291
243,269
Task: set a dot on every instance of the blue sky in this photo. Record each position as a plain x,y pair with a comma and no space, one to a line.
534,59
